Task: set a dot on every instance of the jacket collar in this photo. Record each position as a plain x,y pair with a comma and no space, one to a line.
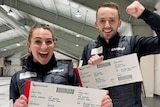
112,41
39,68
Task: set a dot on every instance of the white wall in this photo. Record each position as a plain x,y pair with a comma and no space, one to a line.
61,56
151,74
157,75
147,69
14,67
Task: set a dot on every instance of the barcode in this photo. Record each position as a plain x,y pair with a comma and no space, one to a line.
125,77
64,90
103,65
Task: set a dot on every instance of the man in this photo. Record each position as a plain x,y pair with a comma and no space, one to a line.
111,44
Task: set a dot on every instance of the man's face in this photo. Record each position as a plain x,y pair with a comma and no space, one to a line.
107,22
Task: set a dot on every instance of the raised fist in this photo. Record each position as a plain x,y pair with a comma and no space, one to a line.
135,9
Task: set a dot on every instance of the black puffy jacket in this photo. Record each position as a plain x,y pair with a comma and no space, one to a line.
127,95
53,72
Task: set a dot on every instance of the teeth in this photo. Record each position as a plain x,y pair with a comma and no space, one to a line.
43,52
107,30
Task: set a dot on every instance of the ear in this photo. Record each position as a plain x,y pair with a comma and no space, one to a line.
54,44
96,25
28,47
119,23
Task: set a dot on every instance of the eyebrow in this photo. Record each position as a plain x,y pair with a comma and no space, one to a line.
108,18
41,38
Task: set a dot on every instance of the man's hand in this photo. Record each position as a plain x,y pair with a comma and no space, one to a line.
96,59
21,102
135,9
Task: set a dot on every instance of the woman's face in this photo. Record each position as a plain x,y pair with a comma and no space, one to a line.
41,45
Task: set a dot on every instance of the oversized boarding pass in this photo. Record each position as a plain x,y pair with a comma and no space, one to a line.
112,72
54,95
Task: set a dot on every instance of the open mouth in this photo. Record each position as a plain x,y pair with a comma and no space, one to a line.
107,31
43,54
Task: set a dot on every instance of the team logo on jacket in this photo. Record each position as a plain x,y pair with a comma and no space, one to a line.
27,74
57,70
118,49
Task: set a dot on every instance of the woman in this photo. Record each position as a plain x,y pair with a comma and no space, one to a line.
42,66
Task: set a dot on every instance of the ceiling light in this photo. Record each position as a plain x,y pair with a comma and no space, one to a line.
78,35
10,12
4,49
78,14
18,44
77,45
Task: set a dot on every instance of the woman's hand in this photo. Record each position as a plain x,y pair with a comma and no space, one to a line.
21,102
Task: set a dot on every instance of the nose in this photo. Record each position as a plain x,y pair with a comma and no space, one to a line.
44,46
107,24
